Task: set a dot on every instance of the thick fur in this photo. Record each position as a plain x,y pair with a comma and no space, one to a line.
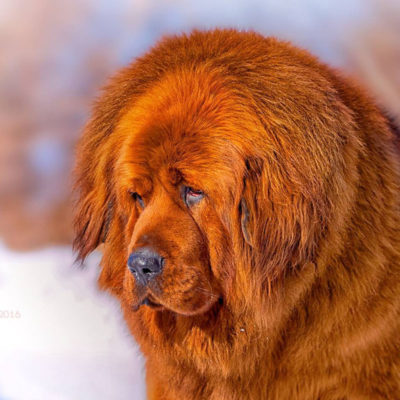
283,282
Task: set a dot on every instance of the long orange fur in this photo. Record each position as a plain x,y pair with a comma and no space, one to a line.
302,300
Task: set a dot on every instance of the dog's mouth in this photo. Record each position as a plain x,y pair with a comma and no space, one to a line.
148,301
184,303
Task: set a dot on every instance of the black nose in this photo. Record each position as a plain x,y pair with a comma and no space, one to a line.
145,264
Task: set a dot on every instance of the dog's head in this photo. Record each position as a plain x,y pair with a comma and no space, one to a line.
208,176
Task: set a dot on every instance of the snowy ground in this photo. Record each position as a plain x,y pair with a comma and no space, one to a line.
66,340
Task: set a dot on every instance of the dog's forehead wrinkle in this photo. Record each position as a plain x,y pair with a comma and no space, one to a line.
171,192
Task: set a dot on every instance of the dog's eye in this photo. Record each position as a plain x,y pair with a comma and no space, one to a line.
137,198
192,196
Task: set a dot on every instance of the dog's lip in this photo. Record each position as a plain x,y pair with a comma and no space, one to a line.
149,301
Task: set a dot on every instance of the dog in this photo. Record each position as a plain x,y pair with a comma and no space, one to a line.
246,198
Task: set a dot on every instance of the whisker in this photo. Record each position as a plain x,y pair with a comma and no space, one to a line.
207,292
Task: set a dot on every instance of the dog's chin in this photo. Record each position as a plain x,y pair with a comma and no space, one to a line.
191,310
201,306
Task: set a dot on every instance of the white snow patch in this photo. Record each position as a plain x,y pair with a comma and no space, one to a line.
60,337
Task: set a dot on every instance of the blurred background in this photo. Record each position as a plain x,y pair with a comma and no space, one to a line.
60,338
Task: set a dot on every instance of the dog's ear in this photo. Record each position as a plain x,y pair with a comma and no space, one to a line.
93,215
94,206
244,221
247,206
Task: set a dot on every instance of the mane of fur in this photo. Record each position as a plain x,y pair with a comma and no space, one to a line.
312,309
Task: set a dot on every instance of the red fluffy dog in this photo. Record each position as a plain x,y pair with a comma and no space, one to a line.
248,199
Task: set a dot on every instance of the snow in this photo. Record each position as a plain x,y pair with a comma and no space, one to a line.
69,341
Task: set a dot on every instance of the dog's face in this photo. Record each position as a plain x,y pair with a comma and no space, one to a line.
168,251
205,186
168,201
